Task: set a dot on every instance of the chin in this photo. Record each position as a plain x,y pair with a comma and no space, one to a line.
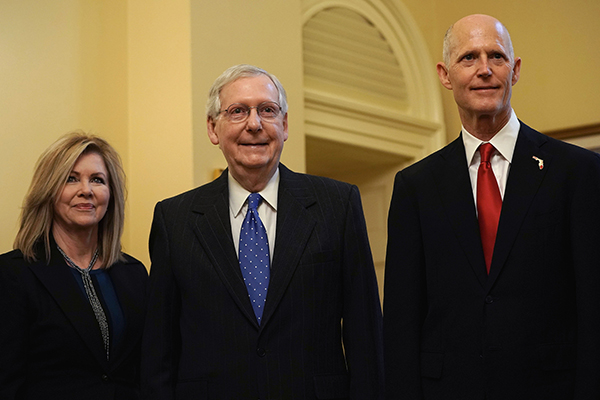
258,162
86,224
489,109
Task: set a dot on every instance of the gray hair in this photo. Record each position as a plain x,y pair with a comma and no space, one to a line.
213,104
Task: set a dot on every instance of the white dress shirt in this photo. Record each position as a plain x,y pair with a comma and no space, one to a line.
504,142
267,210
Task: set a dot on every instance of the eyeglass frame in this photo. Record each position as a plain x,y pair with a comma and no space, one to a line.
279,112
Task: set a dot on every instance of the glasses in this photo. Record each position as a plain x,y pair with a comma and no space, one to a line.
238,112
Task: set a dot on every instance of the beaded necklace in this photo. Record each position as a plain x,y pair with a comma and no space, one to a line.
92,296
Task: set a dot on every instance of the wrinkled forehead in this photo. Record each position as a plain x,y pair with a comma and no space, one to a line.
248,88
479,32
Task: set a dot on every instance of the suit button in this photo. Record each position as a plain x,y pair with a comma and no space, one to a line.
105,378
489,300
261,352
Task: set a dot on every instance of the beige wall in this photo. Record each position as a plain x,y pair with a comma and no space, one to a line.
160,112
62,67
137,73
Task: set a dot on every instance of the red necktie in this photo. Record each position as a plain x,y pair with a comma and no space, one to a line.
489,203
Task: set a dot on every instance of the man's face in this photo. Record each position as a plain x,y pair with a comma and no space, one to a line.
480,72
254,143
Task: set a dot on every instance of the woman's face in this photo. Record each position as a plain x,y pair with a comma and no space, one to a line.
85,196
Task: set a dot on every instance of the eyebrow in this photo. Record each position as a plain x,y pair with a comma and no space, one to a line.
93,173
495,50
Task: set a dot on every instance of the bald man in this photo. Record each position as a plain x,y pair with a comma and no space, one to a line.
492,281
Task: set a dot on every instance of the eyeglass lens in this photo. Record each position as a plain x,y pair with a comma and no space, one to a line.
239,112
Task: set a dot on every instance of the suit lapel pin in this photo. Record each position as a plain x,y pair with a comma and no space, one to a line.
540,162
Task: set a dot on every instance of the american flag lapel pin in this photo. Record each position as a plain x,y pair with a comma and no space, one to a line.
540,162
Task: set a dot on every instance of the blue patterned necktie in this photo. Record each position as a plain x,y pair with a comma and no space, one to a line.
254,256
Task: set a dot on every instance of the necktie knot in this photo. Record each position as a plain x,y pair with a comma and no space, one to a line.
486,150
254,200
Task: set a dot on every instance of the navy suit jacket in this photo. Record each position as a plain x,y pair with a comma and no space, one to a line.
50,342
202,340
529,330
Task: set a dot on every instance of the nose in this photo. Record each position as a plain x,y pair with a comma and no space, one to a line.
254,122
483,67
85,189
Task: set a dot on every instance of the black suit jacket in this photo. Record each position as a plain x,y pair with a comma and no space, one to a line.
50,342
529,330
202,340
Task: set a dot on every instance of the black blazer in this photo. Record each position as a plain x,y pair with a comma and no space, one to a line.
202,340
529,330
50,343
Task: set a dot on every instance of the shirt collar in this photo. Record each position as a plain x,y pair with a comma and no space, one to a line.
238,195
504,141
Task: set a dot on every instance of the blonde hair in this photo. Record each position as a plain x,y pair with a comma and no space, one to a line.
49,178
213,105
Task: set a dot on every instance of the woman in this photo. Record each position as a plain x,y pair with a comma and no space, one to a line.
71,304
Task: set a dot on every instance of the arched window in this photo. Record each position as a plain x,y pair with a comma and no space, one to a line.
372,100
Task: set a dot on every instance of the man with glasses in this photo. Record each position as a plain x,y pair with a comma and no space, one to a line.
262,283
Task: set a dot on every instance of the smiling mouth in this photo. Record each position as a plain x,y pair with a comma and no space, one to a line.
85,206
485,88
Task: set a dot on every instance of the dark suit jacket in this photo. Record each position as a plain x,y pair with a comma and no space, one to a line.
50,342
529,330
202,340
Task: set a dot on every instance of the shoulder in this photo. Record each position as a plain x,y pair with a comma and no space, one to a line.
130,260
10,255
329,194
566,153
205,194
13,258
131,263
184,198
129,270
297,181
450,155
199,194
14,267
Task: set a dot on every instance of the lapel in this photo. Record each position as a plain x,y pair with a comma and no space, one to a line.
60,283
294,227
212,227
130,292
456,194
523,182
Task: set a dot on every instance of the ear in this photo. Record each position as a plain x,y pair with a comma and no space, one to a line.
516,70
285,127
442,72
211,130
